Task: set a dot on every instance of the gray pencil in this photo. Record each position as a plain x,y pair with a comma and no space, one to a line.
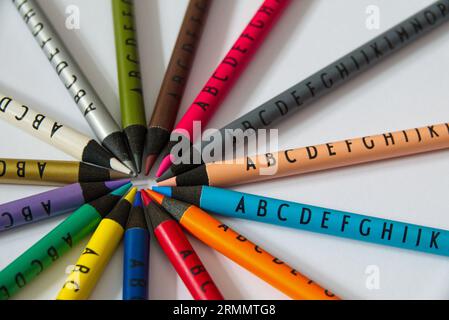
330,78
85,97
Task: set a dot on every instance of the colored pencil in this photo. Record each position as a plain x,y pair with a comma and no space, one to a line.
315,219
181,254
52,172
57,134
175,80
316,158
73,79
48,250
129,76
95,257
52,203
227,73
327,80
136,258
242,251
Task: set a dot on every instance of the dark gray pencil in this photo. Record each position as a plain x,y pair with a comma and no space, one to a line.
85,97
331,77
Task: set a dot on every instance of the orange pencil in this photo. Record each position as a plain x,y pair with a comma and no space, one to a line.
242,251
316,158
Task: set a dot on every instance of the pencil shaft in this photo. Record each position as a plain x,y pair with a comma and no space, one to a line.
186,262
92,262
52,203
52,172
41,126
135,277
128,64
319,220
322,157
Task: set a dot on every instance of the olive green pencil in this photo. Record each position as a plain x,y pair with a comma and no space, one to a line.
129,76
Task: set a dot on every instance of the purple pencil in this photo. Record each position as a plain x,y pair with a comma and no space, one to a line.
53,203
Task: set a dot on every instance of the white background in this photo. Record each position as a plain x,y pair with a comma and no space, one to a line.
408,90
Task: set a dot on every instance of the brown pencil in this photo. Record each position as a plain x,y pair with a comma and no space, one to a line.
174,83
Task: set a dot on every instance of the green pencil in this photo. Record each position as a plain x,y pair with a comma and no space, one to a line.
59,241
129,76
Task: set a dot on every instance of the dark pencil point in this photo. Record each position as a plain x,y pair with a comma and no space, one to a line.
120,213
149,163
104,205
166,175
90,173
155,215
177,169
115,175
195,177
136,219
176,208
157,139
116,143
188,194
136,141
95,154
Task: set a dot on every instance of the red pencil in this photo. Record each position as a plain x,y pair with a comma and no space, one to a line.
226,74
180,253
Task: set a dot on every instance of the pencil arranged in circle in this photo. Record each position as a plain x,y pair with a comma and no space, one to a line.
328,79
227,73
57,134
181,254
73,79
314,219
50,249
95,257
175,80
53,203
136,244
242,251
316,158
129,78
53,172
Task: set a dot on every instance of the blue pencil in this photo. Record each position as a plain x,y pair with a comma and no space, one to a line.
313,219
136,257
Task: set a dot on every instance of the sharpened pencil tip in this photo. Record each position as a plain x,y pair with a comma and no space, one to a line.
130,165
167,183
149,163
138,161
146,199
167,175
120,167
157,197
116,175
165,164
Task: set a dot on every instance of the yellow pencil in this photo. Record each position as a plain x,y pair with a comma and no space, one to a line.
98,252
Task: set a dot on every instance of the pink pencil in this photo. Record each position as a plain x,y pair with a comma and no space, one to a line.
227,73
